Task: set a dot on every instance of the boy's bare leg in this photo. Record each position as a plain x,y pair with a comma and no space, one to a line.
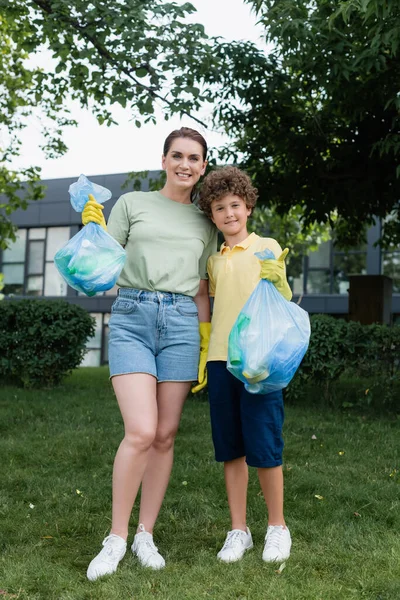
271,481
236,481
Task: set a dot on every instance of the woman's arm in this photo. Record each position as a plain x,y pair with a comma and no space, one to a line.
202,301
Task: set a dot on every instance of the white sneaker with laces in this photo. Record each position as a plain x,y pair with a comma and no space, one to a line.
236,543
277,544
106,562
146,551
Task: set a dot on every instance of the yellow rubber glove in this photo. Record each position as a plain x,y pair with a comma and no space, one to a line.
205,330
93,213
275,271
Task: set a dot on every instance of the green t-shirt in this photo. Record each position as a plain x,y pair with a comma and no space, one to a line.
167,243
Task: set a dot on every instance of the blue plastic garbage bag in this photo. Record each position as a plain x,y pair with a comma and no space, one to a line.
268,339
80,190
92,260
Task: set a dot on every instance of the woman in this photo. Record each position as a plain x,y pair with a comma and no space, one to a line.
154,337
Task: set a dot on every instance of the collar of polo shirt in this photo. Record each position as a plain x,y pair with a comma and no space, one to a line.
244,244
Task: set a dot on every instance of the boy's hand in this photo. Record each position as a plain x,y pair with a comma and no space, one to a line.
205,330
274,270
93,213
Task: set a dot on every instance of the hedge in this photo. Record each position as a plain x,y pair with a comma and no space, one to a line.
41,341
341,350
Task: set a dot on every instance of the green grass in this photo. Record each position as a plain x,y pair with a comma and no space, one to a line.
57,448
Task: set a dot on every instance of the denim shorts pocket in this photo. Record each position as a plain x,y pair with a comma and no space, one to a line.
187,309
123,306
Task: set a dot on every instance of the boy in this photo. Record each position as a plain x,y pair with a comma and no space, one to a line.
246,428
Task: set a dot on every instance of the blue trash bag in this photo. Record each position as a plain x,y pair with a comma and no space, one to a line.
80,190
268,339
92,260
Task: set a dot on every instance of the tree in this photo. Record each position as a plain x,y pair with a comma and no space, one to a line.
317,121
290,231
133,52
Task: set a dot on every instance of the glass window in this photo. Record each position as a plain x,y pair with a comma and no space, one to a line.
35,257
321,257
105,337
95,341
13,273
318,282
57,237
38,233
34,286
345,265
16,251
13,279
297,284
54,283
91,359
391,268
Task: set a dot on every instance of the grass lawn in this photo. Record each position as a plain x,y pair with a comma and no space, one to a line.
57,448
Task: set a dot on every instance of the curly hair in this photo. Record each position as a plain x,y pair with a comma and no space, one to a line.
224,181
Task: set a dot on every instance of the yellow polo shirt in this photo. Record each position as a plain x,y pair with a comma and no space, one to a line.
233,275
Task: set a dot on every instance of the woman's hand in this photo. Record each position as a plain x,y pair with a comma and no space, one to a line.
205,330
93,213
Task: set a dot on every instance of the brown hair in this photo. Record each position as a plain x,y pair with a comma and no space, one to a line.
185,132
225,181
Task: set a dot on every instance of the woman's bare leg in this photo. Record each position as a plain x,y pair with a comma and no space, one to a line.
171,397
136,395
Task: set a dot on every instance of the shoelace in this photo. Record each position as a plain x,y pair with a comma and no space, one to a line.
110,547
233,538
274,536
149,544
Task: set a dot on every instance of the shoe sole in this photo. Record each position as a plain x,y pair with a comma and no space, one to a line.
236,559
276,560
147,566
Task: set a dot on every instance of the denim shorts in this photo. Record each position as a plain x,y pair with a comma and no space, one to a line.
244,424
155,333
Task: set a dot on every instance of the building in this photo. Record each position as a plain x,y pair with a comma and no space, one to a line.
49,223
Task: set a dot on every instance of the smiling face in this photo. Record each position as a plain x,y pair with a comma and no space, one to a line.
230,216
184,163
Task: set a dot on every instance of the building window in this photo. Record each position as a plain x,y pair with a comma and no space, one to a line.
328,269
28,265
97,346
391,268
353,262
106,332
13,265
318,271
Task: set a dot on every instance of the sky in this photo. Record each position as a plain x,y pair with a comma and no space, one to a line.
95,149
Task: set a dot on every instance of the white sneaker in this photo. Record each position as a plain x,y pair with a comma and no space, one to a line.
106,562
277,544
146,551
236,543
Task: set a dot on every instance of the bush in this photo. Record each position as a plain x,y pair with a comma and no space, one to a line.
340,350
41,341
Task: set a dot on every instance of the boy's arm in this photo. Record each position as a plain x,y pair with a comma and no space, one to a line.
202,301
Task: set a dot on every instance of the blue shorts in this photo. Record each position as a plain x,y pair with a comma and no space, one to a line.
155,333
244,424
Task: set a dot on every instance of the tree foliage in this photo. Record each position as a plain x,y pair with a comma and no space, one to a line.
291,231
129,52
317,120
